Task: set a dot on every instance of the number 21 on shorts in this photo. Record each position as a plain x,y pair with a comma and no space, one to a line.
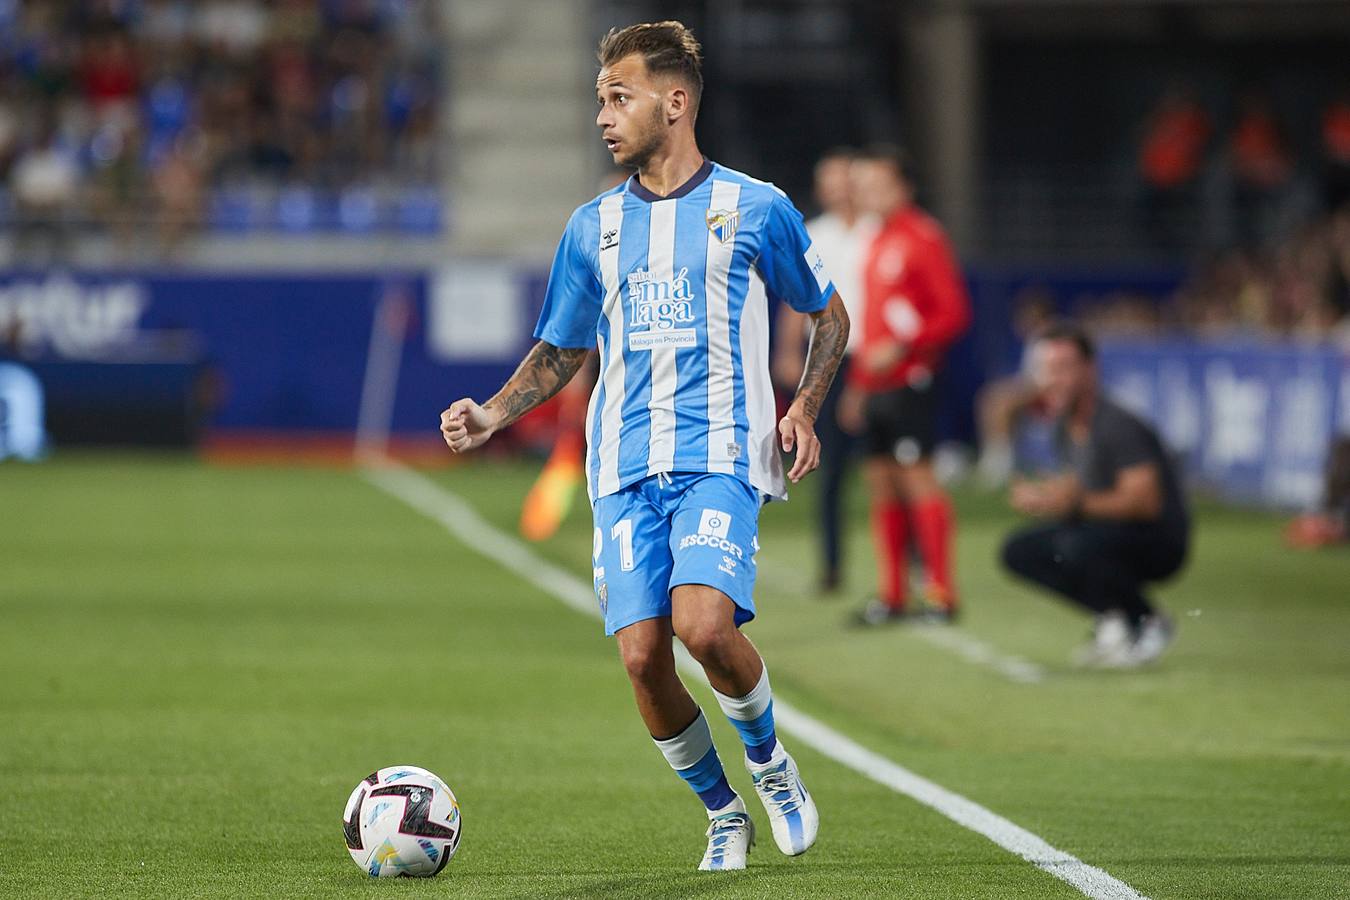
623,533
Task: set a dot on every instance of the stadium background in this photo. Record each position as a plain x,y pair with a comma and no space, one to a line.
213,214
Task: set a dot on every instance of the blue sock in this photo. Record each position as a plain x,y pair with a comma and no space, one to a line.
694,758
753,717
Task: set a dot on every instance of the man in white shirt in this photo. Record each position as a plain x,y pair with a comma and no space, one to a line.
841,235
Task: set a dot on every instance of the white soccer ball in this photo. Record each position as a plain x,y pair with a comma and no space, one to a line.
402,821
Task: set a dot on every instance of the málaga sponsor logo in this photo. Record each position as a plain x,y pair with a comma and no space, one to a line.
659,306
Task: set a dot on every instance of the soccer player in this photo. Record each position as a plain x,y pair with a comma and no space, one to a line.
1115,518
841,235
669,275
914,309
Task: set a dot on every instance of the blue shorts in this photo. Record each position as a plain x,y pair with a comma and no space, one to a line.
668,530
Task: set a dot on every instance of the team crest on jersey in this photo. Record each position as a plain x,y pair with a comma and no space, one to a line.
722,223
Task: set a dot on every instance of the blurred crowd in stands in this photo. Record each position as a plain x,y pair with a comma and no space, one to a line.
1268,214
293,114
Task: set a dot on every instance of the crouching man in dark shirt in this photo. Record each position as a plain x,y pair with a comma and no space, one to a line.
1114,518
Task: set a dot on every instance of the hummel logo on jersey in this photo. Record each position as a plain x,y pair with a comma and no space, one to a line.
722,223
610,239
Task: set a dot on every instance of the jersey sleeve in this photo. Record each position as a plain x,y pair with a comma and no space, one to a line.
574,297
793,271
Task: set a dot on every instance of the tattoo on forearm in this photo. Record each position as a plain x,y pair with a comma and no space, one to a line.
822,360
541,374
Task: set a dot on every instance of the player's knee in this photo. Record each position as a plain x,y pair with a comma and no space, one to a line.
644,662
707,640
1072,550
881,480
1019,552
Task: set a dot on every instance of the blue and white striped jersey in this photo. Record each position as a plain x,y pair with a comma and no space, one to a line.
675,293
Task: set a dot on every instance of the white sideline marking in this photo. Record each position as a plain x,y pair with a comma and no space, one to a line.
472,530
974,650
962,643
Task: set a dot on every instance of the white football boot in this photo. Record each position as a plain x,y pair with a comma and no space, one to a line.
731,834
792,812
1110,647
1155,636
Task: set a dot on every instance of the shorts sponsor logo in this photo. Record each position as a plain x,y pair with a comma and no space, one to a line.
714,522
728,565
713,527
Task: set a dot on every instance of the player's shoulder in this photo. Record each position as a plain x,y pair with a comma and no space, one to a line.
590,210
755,193
1117,421
922,225
584,223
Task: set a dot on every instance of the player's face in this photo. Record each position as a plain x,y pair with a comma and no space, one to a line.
877,188
632,117
1062,375
834,184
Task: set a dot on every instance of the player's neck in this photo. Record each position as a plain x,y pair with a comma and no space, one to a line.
844,212
665,172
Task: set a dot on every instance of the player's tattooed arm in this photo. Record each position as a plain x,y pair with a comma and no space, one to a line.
828,341
541,374
798,428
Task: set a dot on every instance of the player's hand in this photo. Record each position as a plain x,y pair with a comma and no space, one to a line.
1026,497
1050,499
466,425
883,356
798,431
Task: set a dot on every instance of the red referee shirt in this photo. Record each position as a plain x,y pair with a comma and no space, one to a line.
914,295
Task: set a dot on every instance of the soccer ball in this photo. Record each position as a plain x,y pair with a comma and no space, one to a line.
402,821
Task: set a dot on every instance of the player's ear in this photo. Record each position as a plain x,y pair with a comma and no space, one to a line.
677,103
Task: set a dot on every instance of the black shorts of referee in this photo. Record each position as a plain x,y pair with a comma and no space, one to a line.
901,423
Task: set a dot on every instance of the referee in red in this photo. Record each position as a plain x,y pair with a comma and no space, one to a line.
915,307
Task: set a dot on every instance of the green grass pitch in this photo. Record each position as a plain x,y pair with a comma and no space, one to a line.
197,665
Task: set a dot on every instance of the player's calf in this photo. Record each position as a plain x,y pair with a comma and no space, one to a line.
792,811
694,758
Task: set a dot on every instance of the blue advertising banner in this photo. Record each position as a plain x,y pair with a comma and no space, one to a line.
1252,421
283,352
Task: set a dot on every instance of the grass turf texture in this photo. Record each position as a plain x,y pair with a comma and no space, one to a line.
197,665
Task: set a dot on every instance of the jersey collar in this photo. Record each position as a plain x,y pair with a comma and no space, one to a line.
637,190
